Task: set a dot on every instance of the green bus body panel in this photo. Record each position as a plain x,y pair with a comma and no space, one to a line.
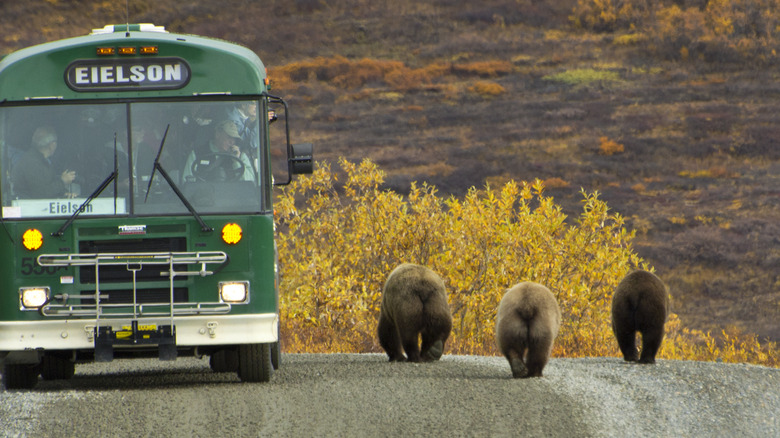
252,259
217,67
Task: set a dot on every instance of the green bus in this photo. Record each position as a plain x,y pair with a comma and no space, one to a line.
137,218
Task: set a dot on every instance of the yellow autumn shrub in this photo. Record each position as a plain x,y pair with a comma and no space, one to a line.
352,74
608,146
714,30
487,88
338,241
337,246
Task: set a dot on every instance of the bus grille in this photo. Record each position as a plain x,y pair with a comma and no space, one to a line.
145,296
121,274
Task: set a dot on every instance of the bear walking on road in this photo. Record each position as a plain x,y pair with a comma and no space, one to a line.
414,305
526,325
640,304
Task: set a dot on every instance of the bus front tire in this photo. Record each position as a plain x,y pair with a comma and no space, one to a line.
20,376
224,361
254,362
276,354
54,367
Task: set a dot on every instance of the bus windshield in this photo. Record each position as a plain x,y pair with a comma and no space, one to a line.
55,156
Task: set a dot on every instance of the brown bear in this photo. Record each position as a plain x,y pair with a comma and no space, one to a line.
640,304
526,326
414,305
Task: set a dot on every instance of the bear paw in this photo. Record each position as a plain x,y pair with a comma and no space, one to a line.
436,351
519,370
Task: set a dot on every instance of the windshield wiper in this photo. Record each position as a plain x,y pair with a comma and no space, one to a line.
158,167
95,194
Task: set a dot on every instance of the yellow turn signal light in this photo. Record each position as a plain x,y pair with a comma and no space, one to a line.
231,233
32,239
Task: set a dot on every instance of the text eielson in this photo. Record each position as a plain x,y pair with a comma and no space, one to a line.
118,74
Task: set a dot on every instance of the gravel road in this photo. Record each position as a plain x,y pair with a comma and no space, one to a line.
364,395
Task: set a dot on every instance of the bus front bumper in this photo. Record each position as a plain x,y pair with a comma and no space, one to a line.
190,331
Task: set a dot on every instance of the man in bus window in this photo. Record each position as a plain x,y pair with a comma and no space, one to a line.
195,124
244,114
221,159
34,175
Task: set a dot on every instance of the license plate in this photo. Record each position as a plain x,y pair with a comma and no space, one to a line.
127,330
142,327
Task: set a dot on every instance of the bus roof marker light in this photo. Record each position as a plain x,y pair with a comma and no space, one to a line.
32,239
231,233
105,51
149,50
127,51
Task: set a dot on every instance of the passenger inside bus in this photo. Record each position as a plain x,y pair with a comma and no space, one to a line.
221,159
244,114
88,137
194,125
35,177
147,135
97,161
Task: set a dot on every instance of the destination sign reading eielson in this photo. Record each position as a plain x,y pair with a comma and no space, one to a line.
127,74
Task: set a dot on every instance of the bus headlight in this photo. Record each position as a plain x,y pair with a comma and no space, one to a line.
33,297
234,291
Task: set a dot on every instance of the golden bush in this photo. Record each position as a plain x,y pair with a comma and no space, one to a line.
338,246
556,183
731,346
484,68
712,172
609,15
487,88
349,74
338,241
405,79
715,30
609,147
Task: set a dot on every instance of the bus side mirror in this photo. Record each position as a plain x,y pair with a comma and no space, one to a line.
301,161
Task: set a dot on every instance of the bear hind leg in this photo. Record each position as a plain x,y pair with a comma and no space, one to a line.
516,363
540,341
536,359
410,323
626,340
651,343
433,338
389,339
411,347
410,339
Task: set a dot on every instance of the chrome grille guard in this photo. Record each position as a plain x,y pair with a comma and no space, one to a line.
58,304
